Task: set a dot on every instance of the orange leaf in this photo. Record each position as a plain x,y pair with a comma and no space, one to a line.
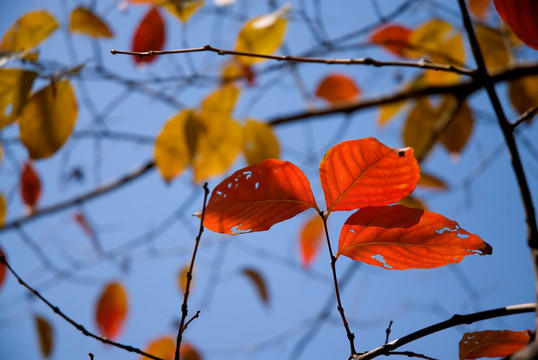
491,343
479,8
45,335
521,17
182,278
111,310
359,173
257,197
337,88
397,237
259,283
80,219
150,35
163,347
394,38
2,269
310,240
189,352
30,186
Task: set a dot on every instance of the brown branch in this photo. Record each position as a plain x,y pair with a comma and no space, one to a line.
423,64
78,326
455,320
184,307
526,116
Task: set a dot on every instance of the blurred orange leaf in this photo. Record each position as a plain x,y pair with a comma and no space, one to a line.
397,238
523,93
492,343
84,21
310,239
359,173
15,87
29,31
259,142
479,8
182,279
257,197
393,37
111,310
45,335
82,221
3,210
521,17
163,347
259,283
48,118
30,186
189,352
337,88
149,35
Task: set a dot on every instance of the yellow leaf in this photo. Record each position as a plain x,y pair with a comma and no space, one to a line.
84,21
45,335
15,87
455,135
431,181
176,143
217,148
413,202
259,142
262,35
182,9
182,278
523,93
47,119
219,104
451,50
493,46
29,31
387,112
3,210
425,39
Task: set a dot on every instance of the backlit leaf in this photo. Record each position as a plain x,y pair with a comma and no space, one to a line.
259,142
338,88
310,239
84,21
388,111
262,35
163,347
451,52
149,35
3,269
479,8
219,104
47,119
523,93
15,87
393,37
189,352
491,343
425,39
30,186
456,134
3,210
493,46
411,201
235,70
397,237
111,310
176,144
521,17
29,31
359,173
257,197
182,9
45,335
259,283
182,279
431,181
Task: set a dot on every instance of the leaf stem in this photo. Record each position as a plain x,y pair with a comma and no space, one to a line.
184,307
350,335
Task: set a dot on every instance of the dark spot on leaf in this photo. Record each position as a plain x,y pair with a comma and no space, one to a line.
401,153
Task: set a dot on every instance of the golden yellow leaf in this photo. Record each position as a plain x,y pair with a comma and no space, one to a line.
29,31
182,9
3,210
419,126
523,93
431,181
387,112
262,35
413,202
45,335
219,104
217,148
176,144
452,50
426,38
47,119
259,142
182,279
493,46
84,21
15,87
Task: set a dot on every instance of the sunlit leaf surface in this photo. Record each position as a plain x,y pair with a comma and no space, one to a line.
84,21
338,88
111,310
393,37
259,142
29,31
310,239
492,343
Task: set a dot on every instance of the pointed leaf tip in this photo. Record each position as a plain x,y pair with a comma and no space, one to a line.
257,197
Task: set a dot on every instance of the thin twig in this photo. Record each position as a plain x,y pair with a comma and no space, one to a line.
387,332
78,326
423,64
184,307
350,335
527,115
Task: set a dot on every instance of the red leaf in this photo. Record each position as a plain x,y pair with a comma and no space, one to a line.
111,310
394,38
337,88
30,186
310,240
150,35
257,197
2,269
359,173
491,343
80,219
521,17
397,237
